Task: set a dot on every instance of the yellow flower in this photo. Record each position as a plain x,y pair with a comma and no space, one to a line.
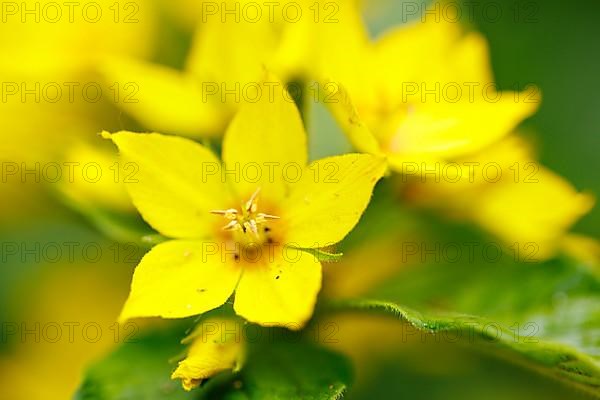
267,198
200,100
217,345
424,93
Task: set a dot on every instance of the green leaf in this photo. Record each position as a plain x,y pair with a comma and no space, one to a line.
321,255
287,371
545,316
136,370
274,369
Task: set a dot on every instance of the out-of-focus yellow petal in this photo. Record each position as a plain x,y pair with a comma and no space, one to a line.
469,60
445,130
503,189
328,42
165,100
532,212
58,38
265,143
217,347
250,46
177,279
103,184
429,52
584,249
299,39
176,185
342,107
330,198
282,292
50,50
459,179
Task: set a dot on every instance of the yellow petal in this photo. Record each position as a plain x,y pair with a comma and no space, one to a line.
51,38
104,185
218,346
264,143
329,47
535,215
163,99
250,45
429,52
453,184
469,60
343,109
330,198
177,184
177,279
280,293
448,130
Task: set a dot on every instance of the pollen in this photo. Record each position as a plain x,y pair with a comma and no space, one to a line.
247,220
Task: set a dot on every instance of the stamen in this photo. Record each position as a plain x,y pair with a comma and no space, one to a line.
231,226
229,213
266,216
247,220
252,204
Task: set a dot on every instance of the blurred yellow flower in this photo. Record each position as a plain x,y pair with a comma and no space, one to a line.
234,44
425,97
181,183
50,93
424,93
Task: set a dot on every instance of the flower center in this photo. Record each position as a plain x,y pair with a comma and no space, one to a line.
247,222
